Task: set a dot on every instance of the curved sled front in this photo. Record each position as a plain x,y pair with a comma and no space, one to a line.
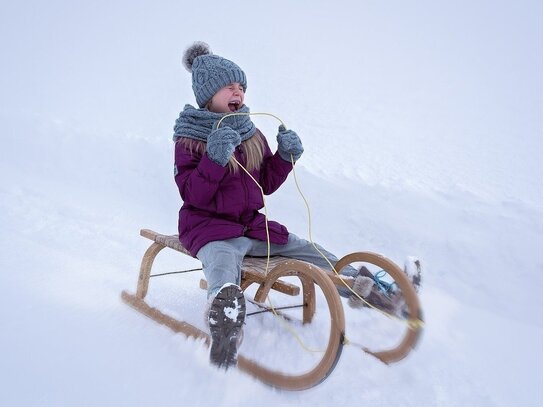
255,271
309,277
414,320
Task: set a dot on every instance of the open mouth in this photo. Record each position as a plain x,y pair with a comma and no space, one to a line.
234,105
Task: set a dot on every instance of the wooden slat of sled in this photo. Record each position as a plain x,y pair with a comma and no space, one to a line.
254,269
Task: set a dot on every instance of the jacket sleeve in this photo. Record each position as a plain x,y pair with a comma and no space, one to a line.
197,177
274,170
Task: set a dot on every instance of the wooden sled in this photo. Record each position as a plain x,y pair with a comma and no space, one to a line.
253,272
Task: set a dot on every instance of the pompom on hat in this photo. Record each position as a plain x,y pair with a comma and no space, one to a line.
210,72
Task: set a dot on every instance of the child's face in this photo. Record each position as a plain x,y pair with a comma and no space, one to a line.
228,99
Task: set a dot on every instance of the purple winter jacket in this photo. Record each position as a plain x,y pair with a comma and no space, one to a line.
219,205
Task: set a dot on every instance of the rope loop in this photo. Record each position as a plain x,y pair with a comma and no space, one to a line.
385,287
250,114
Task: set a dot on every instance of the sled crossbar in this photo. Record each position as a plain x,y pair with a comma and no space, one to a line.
268,276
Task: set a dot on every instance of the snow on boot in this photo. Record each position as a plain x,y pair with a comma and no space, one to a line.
362,286
365,287
413,270
226,317
374,292
391,303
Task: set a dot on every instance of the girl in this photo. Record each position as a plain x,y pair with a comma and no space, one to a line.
220,222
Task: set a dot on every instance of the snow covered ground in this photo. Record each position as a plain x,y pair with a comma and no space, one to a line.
423,134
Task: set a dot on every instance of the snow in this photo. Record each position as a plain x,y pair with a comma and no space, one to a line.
421,123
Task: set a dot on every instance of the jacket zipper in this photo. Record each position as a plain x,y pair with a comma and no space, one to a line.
245,189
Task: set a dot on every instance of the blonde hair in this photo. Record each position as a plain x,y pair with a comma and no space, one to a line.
252,148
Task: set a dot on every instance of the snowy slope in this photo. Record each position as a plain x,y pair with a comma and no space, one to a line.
423,136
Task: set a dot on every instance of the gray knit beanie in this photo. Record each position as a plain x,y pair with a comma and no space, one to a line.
210,72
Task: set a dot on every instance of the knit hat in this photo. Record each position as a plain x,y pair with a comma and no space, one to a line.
210,72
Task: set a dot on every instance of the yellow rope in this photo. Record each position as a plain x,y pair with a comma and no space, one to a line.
249,114
274,311
268,255
412,323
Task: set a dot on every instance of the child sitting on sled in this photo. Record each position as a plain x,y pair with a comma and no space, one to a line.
220,222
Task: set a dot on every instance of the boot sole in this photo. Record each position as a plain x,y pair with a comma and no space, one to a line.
226,317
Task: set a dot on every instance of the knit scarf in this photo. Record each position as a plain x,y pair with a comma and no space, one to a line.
198,123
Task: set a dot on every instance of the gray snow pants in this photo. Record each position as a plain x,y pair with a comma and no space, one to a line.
222,259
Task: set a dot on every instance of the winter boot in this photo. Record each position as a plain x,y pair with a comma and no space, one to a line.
389,302
379,294
412,269
226,317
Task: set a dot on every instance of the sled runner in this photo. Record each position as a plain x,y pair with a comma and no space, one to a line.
315,284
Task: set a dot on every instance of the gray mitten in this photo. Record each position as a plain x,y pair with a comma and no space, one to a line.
289,144
221,143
